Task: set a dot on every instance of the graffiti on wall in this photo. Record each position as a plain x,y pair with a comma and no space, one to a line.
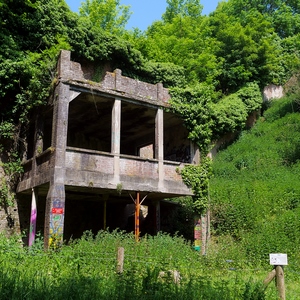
56,223
33,217
197,234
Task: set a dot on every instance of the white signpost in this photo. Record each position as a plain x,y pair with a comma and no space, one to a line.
278,260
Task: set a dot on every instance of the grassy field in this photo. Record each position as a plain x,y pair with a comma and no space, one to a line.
86,269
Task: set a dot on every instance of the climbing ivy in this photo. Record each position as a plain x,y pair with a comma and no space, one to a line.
207,116
194,104
197,178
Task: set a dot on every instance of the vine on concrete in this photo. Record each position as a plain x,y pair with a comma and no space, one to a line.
197,178
207,117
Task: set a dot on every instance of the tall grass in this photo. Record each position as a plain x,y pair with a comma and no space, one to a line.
255,191
86,269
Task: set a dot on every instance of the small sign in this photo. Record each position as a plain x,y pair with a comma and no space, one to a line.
278,259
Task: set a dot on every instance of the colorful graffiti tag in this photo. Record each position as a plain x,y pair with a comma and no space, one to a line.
197,235
56,224
33,217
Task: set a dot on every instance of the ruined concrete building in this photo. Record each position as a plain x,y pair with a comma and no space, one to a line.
97,148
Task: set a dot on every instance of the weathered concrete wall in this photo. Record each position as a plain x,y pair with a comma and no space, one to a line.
70,70
135,173
272,92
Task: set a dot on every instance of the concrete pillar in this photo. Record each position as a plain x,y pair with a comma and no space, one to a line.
55,203
159,143
195,154
157,216
55,216
116,137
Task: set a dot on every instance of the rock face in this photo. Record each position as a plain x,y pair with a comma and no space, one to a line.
272,92
9,219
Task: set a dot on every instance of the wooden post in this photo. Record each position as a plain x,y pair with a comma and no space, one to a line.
120,260
270,277
280,282
278,260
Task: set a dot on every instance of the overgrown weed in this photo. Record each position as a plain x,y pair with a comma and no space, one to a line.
86,269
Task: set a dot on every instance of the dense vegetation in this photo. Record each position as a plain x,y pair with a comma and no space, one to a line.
254,191
87,269
216,67
218,62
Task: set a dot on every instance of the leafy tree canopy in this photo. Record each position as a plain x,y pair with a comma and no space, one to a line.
182,8
217,63
106,14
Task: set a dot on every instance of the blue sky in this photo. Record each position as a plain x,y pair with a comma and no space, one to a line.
144,12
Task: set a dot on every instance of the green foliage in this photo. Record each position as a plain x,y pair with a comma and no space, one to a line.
206,118
194,106
230,115
254,189
86,269
168,73
182,8
284,15
197,178
106,14
6,130
251,96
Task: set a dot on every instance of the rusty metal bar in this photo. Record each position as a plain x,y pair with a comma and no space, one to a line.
137,217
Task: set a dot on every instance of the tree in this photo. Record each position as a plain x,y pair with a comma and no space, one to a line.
249,50
283,14
182,8
106,14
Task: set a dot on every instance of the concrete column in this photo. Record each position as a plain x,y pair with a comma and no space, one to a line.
55,216
195,154
157,216
116,137
159,143
55,203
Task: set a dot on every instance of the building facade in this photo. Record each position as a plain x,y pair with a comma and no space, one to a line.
100,149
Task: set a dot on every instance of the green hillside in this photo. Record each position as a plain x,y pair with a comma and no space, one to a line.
255,191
